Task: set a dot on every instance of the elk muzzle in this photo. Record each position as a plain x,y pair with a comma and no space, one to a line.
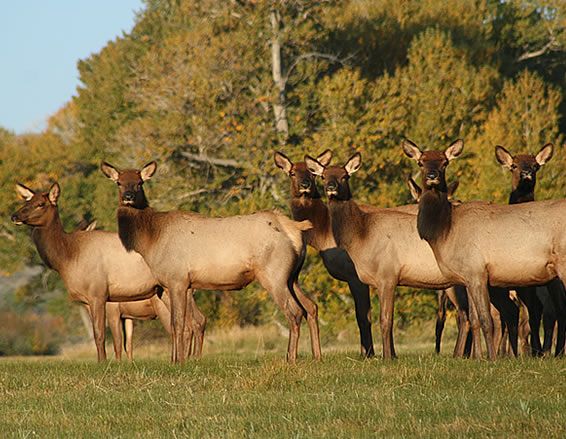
331,189
305,186
432,177
128,197
16,219
527,174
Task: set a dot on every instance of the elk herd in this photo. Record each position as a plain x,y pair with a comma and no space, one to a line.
477,254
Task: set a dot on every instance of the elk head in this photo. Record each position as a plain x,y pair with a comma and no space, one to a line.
433,163
39,208
524,169
302,180
130,183
335,177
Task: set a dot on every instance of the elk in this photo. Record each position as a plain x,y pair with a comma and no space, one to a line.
503,309
121,315
481,243
548,299
306,204
382,242
189,250
94,265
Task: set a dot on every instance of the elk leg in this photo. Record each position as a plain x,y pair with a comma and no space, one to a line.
386,299
534,307
459,297
178,299
312,319
360,293
558,295
479,294
279,291
475,330
129,336
97,308
509,314
198,320
442,299
341,267
114,323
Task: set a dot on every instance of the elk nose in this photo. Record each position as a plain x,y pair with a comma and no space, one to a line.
128,196
14,218
527,174
331,186
305,184
432,174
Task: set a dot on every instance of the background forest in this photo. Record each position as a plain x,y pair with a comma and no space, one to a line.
211,89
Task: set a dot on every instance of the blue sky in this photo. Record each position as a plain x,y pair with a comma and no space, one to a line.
41,42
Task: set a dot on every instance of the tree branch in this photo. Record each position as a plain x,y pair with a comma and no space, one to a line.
326,56
551,45
201,158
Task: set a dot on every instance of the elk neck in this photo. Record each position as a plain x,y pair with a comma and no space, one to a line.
435,215
136,228
53,244
348,222
314,210
523,192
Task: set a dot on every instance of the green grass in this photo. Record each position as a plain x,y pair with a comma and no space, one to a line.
245,389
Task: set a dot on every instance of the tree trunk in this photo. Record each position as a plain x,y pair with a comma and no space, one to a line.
279,110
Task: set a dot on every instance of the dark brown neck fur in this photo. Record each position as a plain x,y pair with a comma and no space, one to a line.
135,227
435,215
348,222
522,194
314,210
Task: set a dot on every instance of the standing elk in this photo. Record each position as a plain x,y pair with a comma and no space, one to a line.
383,244
504,311
94,265
548,299
189,250
481,243
306,204
121,315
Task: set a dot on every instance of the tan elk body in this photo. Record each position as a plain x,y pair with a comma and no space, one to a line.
189,250
479,242
307,204
383,243
94,265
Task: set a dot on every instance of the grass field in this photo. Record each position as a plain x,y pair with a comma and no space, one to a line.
242,387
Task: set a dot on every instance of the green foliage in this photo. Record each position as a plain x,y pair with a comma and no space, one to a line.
191,86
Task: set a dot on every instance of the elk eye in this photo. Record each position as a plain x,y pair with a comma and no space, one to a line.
118,183
513,166
42,204
420,164
292,173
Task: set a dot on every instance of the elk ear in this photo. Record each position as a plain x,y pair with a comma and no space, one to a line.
353,164
282,162
411,150
416,191
454,150
148,170
545,154
25,192
452,187
324,158
503,157
110,171
314,166
54,193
